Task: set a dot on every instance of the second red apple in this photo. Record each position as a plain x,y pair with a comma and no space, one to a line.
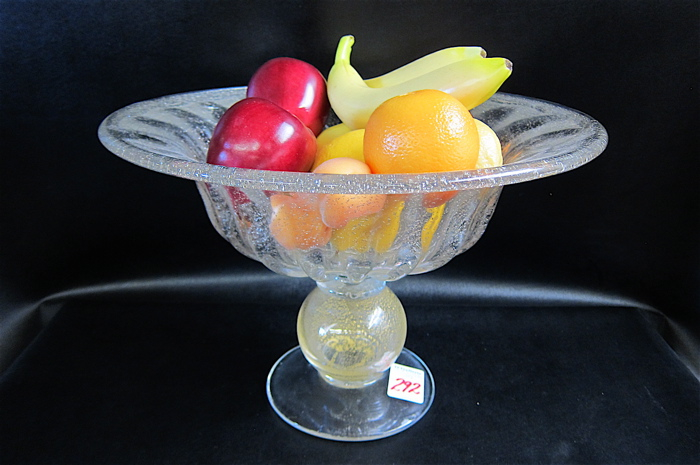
294,85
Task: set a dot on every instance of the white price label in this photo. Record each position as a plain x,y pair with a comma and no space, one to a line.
406,383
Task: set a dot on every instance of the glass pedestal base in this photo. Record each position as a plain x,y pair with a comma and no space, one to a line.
303,399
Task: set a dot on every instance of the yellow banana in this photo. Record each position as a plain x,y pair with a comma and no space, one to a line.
373,232
416,68
471,80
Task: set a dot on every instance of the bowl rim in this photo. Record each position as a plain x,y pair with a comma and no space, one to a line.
285,181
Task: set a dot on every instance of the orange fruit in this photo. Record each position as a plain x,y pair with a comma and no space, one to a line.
436,199
346,145
490,155
338,209
421,132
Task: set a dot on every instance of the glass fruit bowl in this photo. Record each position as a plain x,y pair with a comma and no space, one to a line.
337,384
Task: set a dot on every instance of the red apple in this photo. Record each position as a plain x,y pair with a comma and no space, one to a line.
294,85
256,133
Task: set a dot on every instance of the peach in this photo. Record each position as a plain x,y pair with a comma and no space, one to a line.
338,209
296,221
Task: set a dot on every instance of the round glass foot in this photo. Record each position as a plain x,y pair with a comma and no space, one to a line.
303,399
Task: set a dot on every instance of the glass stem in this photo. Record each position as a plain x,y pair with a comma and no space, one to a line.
351,333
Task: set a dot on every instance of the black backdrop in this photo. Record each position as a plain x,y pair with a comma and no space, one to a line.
584,285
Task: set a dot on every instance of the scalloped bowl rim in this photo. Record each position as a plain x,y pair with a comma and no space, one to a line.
286,181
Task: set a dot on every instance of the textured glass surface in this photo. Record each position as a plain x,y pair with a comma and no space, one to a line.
351,341
171,134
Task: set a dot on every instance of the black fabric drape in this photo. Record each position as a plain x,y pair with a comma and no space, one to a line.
131,332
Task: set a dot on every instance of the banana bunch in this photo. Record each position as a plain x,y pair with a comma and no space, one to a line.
463,72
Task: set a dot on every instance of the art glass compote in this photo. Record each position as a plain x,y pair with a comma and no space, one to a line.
352,327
